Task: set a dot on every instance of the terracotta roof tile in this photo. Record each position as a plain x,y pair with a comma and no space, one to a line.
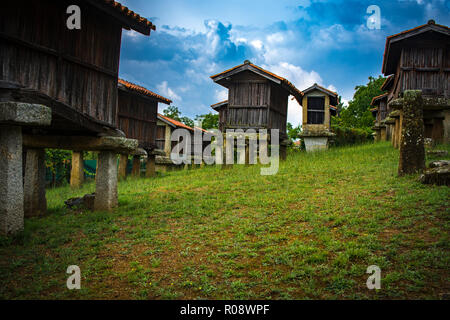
144,91
129,13
175,122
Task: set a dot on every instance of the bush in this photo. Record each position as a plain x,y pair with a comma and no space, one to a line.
348,136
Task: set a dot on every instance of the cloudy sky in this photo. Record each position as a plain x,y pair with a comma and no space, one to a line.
305,41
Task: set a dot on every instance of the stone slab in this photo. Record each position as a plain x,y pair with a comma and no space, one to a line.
26,114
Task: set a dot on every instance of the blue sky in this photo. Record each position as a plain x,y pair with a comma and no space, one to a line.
305,41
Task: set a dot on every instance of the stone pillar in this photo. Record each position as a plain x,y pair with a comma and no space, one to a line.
383,134
13,115
77,172
106,182
136,171
437,133
151,166
11,186
35,203
412,150
168,141
247,153
283,152
123,163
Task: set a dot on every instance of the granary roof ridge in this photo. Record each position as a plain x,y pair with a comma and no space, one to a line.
386,82
375,99
144,91
316,86
431,24
294,91
145,25
174,122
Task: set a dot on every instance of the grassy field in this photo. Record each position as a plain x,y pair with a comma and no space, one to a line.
309,232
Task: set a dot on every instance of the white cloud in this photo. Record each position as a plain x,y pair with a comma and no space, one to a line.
295,113
257,44
301,79
166,91
221,95
332,88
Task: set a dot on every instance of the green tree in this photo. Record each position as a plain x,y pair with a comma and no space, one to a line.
187,121
293,132
357,114
175,114
208,121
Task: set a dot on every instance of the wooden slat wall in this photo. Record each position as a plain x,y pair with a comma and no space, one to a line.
77,67
425,69
137,118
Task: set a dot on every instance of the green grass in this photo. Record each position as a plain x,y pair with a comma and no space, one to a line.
309,232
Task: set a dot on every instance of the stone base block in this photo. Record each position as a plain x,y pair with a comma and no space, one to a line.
313,144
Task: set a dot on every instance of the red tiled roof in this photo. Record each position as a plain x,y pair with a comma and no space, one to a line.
285,81
205,131
175,122
144,91
129,14
378,98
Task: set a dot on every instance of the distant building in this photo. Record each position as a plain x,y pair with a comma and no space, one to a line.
137,116
416,59
165,127
257,99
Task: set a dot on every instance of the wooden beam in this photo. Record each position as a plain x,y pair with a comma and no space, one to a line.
117,144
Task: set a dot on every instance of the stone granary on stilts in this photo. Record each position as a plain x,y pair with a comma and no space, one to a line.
138,112
257,99
58,89
319,104
416,59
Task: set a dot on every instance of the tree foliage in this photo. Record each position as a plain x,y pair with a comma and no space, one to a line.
174,113
208,121
357,114
293,132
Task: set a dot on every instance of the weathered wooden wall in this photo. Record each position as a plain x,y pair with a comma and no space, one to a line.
76,67
160,137
423,68
255,102
137,118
